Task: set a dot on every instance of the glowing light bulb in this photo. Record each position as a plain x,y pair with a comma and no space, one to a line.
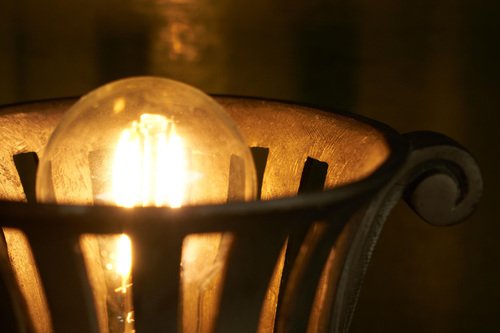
147,142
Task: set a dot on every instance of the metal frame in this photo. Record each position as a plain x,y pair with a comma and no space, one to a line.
330,235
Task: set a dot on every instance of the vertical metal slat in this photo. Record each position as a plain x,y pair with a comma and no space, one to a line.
296,300
155,278
14,314
64,278
252,260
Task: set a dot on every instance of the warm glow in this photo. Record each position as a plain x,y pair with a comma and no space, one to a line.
123,259
150,167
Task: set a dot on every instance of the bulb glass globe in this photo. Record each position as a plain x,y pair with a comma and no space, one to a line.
146,142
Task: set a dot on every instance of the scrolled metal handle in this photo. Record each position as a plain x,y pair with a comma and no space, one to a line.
443,184
440,180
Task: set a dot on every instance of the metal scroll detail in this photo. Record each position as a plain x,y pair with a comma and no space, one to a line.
442,183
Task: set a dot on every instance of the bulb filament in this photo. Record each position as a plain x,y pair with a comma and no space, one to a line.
149,169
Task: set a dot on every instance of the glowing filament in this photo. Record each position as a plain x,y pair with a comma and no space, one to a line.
123,260
149,169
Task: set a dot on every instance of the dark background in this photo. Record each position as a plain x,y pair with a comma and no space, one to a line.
430,64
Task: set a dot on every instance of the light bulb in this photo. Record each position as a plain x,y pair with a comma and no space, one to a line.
146,142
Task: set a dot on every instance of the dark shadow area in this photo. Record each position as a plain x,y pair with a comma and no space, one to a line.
259,155
26,165
313,176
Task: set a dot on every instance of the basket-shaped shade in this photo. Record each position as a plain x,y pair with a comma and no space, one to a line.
295,259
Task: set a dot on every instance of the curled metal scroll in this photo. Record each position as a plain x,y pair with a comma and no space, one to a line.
440,181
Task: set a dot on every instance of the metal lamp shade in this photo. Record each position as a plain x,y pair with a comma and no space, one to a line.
297,256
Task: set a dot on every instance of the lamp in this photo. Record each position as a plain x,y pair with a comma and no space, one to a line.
144,142
296,258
